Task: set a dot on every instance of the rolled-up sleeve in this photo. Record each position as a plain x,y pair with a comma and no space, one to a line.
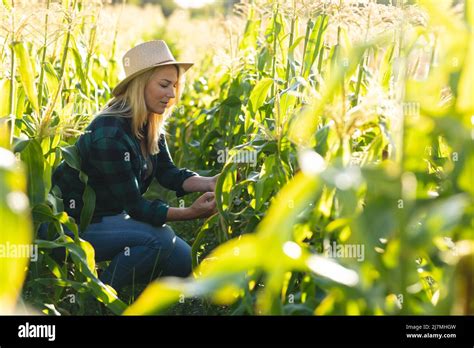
167,174
112,159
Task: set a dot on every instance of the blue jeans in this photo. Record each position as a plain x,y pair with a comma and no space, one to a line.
139,251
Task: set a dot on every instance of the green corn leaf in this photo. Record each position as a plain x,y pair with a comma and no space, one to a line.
259,94
52,79
27,71
198,243
5,86
88,197
79,68
32,156
314,44
71,156
20,102
16,229
82,255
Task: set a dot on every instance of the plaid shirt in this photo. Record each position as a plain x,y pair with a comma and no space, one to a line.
111,157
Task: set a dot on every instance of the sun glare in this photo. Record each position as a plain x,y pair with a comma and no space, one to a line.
193,3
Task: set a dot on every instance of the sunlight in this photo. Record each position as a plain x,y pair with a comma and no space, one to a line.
193,3
311,162
332,270
292,249
7,159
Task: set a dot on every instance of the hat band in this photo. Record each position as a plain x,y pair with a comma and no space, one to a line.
156,64
167,61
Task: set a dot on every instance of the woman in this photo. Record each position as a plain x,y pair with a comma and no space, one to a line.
122,150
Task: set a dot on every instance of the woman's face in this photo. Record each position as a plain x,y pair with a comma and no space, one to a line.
161,88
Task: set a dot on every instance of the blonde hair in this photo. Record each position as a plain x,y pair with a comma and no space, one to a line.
131,104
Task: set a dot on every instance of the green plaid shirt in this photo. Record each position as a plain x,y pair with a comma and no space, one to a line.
112,159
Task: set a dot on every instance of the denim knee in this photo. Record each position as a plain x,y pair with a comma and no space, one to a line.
162,239
179,262
177,253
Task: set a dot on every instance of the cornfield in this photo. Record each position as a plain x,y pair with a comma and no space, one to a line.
338,126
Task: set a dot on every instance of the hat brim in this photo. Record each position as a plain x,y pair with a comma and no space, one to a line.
120,88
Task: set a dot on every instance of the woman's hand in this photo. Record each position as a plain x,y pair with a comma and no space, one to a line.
204,206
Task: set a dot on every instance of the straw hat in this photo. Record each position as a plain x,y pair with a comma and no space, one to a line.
144,57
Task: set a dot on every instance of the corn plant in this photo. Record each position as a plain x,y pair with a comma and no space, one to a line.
336,126
350,151
52,82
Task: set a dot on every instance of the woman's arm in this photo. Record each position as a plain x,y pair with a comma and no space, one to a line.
179,214
168,175
200,184
180,180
